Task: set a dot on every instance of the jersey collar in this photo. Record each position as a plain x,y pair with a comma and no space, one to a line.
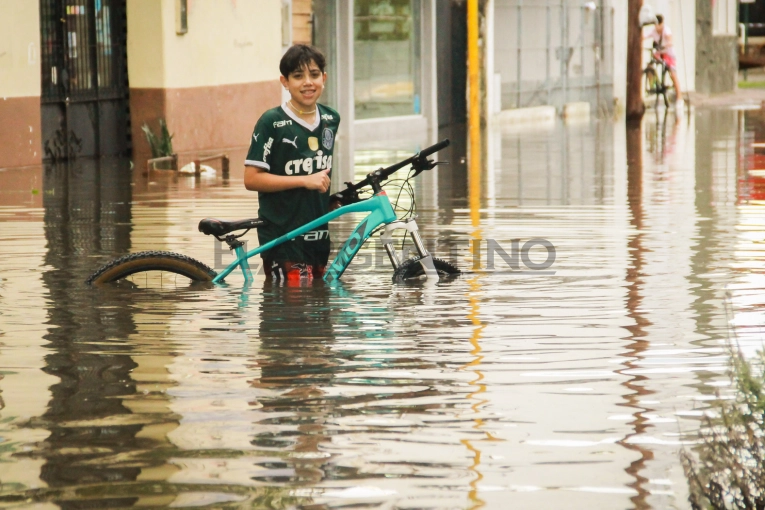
294,116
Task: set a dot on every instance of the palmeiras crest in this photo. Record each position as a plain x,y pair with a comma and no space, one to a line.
327,138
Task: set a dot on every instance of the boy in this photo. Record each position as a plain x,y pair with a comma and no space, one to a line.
289,165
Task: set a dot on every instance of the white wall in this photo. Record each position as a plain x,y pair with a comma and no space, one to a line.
619,11
226,43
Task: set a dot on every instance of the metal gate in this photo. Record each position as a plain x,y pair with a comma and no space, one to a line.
84,78
552,52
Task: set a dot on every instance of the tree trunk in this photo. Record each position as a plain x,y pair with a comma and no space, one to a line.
635,106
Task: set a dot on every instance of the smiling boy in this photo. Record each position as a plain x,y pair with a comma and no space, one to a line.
289,165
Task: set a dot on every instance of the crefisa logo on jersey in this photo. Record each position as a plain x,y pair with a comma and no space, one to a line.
327,139
267,148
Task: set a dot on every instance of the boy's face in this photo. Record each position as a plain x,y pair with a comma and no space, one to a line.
305,85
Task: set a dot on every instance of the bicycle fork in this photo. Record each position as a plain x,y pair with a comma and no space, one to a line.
424,257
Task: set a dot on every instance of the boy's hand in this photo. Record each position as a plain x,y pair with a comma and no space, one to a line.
319,181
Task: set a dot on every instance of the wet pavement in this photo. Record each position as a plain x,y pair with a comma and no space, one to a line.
519,384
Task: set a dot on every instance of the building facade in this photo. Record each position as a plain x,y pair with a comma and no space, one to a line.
555,52
20,134
83,77
209,76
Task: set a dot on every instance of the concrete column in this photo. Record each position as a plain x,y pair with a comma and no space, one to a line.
716,69
345,94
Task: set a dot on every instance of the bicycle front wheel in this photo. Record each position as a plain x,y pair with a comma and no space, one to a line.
153,269
412,270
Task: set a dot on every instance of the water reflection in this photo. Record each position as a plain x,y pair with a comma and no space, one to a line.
568,390
550,164
639,343
87,213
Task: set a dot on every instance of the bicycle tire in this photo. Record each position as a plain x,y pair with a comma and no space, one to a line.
651,85
147,261
665,87
412,269
649,80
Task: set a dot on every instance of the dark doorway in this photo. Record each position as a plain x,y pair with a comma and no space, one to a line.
451,45
84,78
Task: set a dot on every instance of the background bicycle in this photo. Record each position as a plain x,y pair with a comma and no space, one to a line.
657,82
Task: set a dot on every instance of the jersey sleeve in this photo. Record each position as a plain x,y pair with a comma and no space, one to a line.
261,144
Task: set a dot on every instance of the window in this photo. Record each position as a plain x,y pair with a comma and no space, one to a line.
724,17
386,58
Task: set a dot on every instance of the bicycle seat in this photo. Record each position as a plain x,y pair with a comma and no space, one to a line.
217,228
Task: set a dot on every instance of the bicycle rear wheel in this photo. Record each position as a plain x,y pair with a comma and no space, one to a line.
153,269
412,270
666,85
663,84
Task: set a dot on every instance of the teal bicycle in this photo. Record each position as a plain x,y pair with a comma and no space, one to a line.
161,266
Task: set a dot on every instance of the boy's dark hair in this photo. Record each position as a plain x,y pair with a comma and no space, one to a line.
659,19
299,56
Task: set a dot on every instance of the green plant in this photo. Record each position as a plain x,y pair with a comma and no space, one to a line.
730,470
161,145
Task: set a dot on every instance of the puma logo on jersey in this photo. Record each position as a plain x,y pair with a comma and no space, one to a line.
282,123
291,142
327,116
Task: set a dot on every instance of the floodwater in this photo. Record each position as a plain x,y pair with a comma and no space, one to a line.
517,385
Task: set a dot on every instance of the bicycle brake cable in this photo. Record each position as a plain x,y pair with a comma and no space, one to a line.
405,183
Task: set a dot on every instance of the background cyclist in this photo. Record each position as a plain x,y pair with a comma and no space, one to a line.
662,41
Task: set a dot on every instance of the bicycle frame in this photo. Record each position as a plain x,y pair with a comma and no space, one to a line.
380,212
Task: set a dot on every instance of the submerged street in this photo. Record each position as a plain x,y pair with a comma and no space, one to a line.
573,386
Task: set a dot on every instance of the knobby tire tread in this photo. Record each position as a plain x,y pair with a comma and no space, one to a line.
152,261
412,268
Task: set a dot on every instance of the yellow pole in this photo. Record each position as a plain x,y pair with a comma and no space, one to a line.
474,112
474,190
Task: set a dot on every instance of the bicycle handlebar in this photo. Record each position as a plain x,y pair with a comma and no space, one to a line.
421,156
419,161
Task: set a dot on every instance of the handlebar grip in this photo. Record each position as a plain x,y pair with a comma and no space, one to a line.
434,148
383,173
